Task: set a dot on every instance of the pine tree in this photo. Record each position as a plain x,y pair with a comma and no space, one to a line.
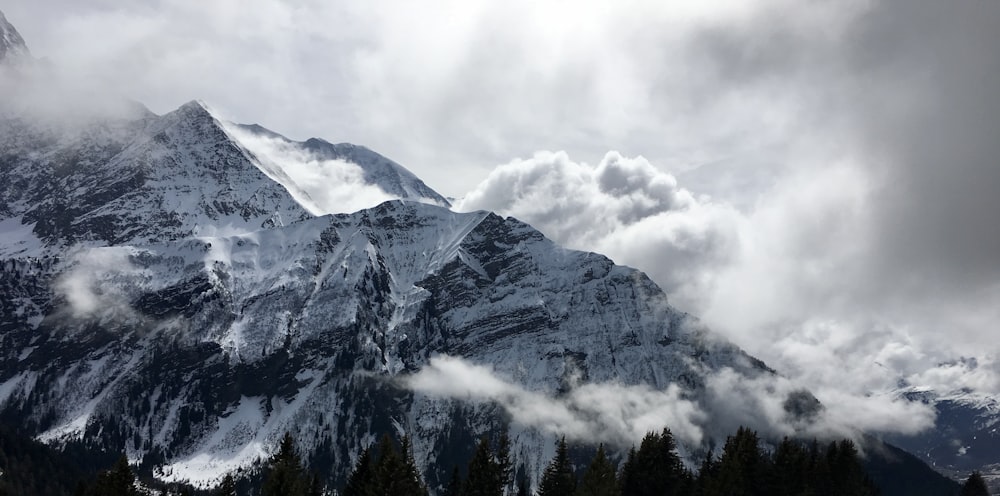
286,476
481,479
315,486
522,487
705,485
790,468
599,479
655,468
974,486
454,487
410,482
227,487
117,481
388,467
742,465
558,478
504,465
361,482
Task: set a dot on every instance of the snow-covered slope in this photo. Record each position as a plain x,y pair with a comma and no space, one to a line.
393,179
12,46
143,178
966,436
204,350
134,180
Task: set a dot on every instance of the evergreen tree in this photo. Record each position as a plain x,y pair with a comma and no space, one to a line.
558,478
599,479
389,468
742,465
315,486
361,482
504,465
628,481
454,487
974,486
522,487
705,483
654,469
849,476
285,474
227,487
482,479
410,482
117,481
790,467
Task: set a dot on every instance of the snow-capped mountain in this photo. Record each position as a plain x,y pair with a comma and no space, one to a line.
174,287
12,46
142,178
966,436
204,350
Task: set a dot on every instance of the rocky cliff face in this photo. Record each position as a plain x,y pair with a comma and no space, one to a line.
12,46
200,352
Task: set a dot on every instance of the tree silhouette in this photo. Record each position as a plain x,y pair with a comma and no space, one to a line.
285,474
975,486
558,478
600,478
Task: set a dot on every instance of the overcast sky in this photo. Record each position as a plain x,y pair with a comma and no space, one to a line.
818,180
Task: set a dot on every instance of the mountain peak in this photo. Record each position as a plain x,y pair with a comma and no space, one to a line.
11,43
195,107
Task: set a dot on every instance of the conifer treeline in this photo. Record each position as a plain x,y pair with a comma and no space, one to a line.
744,468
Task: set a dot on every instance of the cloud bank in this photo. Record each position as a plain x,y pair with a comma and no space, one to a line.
611,413
620,415
623,207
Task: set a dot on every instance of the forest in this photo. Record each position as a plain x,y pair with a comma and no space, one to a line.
746,466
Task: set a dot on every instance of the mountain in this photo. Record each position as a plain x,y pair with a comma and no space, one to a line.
176,288
12,46
214,346
966,436
142,178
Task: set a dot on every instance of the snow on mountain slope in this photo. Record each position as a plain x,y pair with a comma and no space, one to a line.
145,178
333,176
966,436
12,46
134,180
211,347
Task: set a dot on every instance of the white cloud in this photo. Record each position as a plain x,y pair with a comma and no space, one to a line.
785,280
92,283
624,208
606,412
320,185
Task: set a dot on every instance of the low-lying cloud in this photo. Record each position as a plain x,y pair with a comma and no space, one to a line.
322,186
609,412
93,284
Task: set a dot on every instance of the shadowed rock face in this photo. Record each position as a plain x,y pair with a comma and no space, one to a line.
216,343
